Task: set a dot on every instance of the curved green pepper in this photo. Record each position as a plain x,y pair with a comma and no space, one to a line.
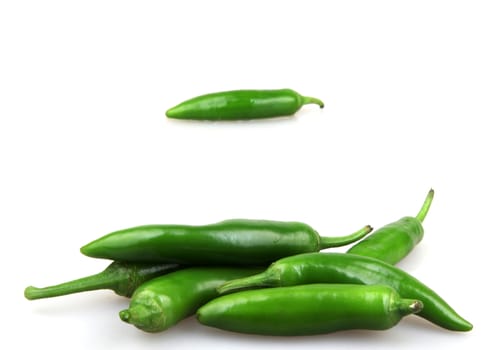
353,269
232,242
164,301
395,241
308,309
121,277
242,104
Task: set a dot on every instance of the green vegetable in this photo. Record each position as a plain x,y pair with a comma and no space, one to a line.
395,241
121,277
231,242
162,302
308,309
242,104
352,269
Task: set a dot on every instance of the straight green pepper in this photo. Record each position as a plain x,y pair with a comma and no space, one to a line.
308,309
230,242
242,104
352,269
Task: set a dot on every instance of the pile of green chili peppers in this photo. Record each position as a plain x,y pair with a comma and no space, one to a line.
260,276
263,277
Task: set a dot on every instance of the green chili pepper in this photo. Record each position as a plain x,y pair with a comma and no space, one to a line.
164,301
352,269
121,277
308,309
232,242
395,241
242,104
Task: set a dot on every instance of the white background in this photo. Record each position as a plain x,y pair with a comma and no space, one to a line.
86,149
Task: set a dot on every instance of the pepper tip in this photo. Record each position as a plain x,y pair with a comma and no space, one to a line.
28,292
125,315
171,113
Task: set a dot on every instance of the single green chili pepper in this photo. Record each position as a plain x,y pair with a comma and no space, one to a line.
242,104
121,277
395,241
232,242
164,301
352,269
308,309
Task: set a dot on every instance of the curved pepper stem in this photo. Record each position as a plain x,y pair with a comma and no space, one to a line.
331,242
94,282
312,100
268,278
122,278
426,206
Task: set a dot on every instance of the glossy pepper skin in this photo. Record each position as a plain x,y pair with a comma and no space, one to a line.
231,242
241,105
164,301
308,309
121,277
395,241
352,269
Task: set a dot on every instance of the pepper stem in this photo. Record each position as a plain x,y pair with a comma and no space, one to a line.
409,306
98,281
331,242
426,206
263,279
312,100
121,277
